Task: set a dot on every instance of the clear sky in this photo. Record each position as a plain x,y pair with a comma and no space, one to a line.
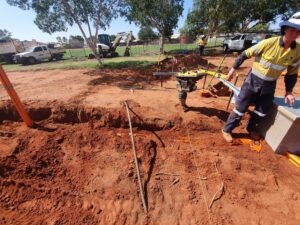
20,23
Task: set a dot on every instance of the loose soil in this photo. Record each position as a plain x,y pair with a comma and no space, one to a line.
76,166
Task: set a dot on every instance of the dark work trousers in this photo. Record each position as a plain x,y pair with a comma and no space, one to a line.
201,49
253,91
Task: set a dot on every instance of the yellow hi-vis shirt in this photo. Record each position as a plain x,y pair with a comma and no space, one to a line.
202,42
271,58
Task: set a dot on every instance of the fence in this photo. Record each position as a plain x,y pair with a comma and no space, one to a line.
149,49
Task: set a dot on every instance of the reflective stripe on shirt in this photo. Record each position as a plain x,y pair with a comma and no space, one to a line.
269,64
296,64
254,49
262,76
272,59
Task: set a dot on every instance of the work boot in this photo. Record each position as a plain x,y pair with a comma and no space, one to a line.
253,122
255,136
227,136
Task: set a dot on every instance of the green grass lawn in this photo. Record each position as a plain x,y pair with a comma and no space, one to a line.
77,63
77,58
137,50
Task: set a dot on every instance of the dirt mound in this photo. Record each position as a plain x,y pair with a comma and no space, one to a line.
124,78
178,62
190,62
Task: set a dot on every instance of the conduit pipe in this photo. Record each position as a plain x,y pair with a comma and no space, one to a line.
136,160
15,98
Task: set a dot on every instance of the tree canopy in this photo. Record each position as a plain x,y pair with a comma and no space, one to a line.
76,41
112,37
162,15
77,37
53,15
5,34
212,16
146,33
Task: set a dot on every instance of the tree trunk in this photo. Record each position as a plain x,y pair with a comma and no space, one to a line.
77,21
92,46
94,50
161,44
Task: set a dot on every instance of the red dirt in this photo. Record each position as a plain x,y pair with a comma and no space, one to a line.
77,165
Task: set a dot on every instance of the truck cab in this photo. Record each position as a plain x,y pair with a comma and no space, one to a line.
239,42
38,53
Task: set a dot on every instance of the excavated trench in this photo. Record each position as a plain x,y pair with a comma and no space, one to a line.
104,117
78,160
77,114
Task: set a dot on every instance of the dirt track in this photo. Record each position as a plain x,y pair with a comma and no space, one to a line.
77,166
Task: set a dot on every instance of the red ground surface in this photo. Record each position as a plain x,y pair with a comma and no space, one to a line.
77,166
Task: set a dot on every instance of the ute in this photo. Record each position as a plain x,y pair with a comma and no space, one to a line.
39,53
239,42
107,48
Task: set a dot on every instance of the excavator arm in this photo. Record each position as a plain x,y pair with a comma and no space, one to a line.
118,39
107,49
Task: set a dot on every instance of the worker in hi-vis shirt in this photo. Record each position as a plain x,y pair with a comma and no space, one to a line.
202,43
272,57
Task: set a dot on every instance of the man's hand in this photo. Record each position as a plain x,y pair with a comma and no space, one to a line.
230,74
289,97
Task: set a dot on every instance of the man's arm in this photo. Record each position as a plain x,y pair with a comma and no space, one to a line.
239,61
290,81
247,54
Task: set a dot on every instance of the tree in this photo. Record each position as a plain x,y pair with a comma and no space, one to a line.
77,37
53,15
146,33
76,41
214,16
112,37
64,40
59,39
194,24
92,39
262,27
4,34
162,15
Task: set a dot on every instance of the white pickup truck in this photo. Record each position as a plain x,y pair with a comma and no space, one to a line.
39,53
239,42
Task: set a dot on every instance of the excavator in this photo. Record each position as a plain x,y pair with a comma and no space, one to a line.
108,49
